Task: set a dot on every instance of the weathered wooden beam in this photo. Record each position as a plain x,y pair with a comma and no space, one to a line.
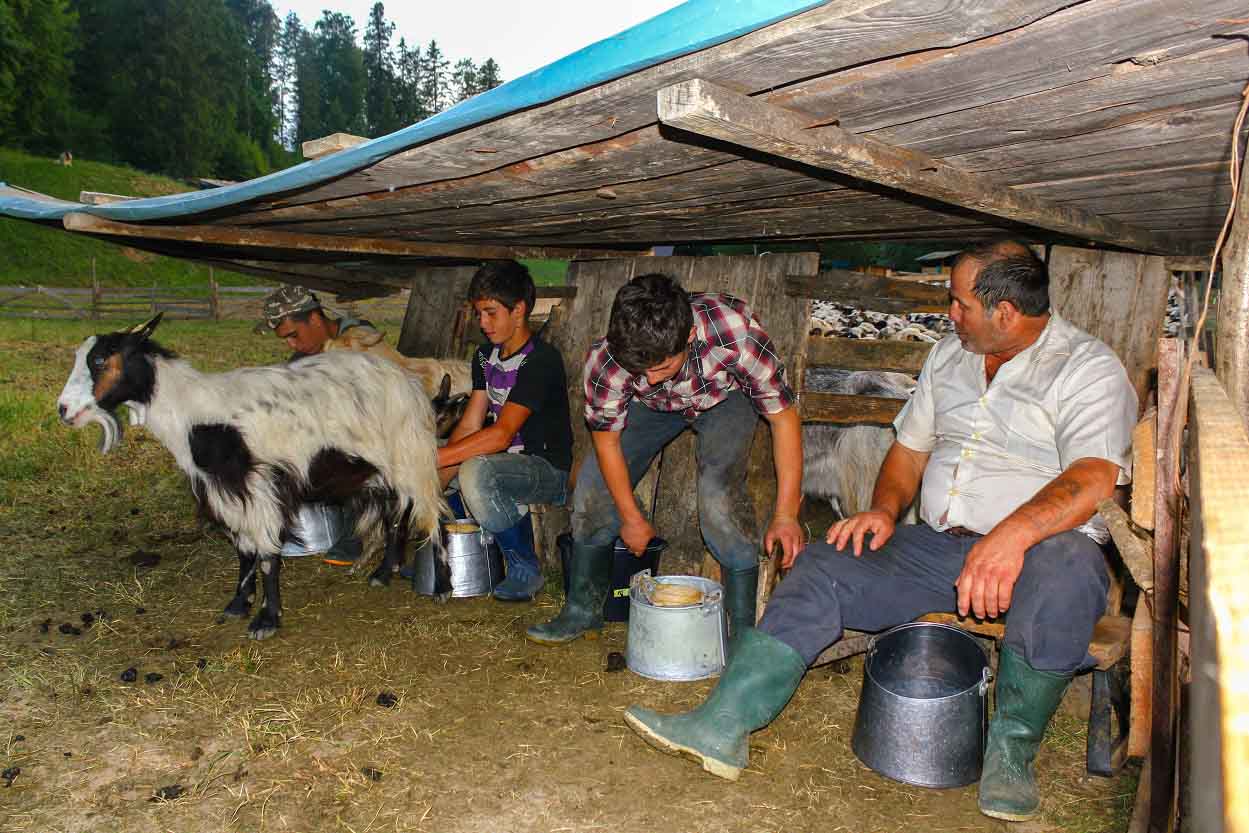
1187,264
848,409
1166,591
1218,608
867,354
295,241
709,110
873,292
333,143
1136,548
1231,332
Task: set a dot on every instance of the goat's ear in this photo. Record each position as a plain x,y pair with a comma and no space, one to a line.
145,330
444,389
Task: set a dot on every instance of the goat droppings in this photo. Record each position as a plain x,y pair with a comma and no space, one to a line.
10,775
129,675
371,773
151,678
387,700
169,793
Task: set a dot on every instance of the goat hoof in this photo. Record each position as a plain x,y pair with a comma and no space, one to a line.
380,577
236,609
263,627
441,598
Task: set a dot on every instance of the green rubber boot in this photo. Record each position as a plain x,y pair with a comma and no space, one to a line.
589,580
740,588
756,684
1026,700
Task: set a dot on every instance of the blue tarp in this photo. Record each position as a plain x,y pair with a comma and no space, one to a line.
694,25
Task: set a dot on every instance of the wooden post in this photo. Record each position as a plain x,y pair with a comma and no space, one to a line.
214,297
1166,593
1231,335
95,292
434,296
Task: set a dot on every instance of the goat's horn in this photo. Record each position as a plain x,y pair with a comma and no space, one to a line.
111,428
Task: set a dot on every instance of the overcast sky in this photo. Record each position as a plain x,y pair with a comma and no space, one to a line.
521,35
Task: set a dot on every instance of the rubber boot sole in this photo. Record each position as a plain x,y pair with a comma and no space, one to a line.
712,765
589,634
1005,816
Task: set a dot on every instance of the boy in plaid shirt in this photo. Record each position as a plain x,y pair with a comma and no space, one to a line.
673,361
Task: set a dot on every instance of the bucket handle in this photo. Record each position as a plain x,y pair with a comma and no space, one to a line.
986,677
710,600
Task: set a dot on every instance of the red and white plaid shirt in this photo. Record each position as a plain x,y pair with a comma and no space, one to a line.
730,351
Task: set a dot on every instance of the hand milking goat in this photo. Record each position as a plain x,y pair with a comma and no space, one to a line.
258,442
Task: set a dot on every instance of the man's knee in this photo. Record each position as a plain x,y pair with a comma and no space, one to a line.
719,521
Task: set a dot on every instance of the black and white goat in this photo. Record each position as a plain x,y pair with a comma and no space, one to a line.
258,442
840,462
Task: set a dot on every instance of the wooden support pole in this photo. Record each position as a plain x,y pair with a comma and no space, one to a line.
96,296
709,110
1231,334
214,296
1166,593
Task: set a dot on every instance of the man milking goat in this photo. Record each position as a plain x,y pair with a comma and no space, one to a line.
1018,426
295,315
672,361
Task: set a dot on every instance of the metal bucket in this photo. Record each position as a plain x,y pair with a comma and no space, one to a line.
923,711
475,560
317,527
688,642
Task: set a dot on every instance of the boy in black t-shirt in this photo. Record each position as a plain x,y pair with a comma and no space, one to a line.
513,446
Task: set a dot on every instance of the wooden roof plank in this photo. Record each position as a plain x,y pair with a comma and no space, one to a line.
282,240
712,111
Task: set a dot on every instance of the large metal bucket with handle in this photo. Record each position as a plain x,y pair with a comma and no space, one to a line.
923,711
676,642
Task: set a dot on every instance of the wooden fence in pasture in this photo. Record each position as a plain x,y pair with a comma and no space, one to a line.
206,302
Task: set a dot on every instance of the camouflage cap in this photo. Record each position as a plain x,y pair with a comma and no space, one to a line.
287,300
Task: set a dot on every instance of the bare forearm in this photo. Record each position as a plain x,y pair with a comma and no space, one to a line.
1064,503
898,481
787,457
490,440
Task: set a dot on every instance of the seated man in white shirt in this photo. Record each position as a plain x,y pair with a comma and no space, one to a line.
1019,424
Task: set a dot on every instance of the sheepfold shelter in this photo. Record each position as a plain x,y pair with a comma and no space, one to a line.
1103,129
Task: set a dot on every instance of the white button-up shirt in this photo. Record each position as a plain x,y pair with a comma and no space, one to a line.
994,446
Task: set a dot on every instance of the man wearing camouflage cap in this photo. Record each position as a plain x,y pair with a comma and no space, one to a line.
296,316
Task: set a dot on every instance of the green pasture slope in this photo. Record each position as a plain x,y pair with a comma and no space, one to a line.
31,254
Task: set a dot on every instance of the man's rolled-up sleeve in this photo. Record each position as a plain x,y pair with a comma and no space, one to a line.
1096,414
608,390
916,424
761,372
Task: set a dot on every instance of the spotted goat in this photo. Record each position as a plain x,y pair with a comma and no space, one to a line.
258,442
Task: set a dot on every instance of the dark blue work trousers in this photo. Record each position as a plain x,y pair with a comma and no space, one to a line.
1057,599
724,433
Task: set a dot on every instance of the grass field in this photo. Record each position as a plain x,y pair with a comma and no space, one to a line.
489,732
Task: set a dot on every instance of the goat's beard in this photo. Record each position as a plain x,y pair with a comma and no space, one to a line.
111,428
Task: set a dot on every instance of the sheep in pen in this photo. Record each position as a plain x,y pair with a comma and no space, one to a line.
258,442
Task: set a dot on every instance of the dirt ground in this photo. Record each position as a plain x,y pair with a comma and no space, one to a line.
487,732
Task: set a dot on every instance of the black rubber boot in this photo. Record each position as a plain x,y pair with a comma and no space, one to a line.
740,592
1026,700
760,678
588,583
